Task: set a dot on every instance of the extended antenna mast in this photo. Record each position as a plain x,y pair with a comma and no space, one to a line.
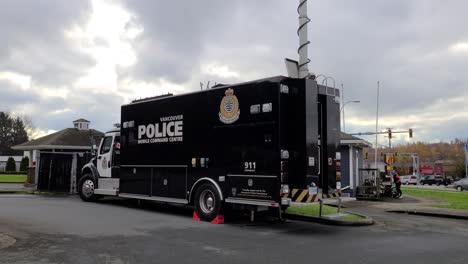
301,69
303,39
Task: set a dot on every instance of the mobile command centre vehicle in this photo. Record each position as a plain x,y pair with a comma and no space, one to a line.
258,144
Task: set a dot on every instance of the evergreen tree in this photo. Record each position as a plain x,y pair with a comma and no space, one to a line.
24,164
10,165
12,132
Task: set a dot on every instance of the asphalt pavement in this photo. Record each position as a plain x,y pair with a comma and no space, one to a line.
67,230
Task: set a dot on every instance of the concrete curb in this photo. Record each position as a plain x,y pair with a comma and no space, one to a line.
433,214
6,241
29,192
364,222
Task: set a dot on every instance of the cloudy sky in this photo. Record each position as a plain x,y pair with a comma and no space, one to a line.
62,60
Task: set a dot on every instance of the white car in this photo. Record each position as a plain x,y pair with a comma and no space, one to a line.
412,180
409,179
405,179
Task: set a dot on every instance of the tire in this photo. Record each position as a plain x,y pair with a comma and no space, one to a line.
86,187
395,193
207,202
459,188
407,183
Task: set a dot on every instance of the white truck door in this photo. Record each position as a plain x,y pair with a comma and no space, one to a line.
104,158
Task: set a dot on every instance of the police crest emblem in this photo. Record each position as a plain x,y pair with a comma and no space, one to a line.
229,108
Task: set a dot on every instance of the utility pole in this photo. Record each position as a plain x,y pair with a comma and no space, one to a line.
377,125
342,106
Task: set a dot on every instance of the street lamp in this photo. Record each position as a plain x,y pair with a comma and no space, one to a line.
342,110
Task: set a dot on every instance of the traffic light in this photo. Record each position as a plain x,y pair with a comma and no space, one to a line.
411,133
389,133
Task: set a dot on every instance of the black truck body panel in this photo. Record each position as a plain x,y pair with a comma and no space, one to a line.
169,143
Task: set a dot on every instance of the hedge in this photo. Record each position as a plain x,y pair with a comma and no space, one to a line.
14,172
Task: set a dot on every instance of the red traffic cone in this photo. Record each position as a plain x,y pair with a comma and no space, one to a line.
219,219
195,216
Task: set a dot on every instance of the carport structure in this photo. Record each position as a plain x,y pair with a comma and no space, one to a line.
352,149
56,159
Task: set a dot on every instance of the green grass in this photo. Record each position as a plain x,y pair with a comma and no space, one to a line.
12,178
313,210
455,200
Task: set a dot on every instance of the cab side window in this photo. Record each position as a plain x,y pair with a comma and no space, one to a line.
106,145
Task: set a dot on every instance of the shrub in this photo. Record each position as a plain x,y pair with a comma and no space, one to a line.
10,165
13,172
24,164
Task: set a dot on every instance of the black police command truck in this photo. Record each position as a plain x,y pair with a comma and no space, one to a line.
258,144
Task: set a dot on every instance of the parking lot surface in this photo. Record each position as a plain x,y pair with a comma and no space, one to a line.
67,230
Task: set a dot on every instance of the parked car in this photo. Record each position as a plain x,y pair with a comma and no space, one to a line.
413,180
436,179
461,184
404,179
409,179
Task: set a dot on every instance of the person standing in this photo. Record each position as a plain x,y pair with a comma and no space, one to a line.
397,181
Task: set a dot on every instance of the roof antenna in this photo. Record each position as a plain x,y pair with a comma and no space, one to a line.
300,69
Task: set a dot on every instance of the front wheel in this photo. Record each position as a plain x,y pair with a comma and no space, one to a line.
207,202
459,188
396,193
86,187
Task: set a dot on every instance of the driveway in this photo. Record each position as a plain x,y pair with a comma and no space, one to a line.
67,230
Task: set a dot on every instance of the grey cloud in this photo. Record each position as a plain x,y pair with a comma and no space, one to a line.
32,39
403,43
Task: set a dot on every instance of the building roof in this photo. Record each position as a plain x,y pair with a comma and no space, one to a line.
347,139
81,120
69,138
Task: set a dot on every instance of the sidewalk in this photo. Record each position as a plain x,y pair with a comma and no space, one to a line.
410,205
12,187
9,188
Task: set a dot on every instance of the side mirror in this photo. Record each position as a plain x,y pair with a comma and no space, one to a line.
93,150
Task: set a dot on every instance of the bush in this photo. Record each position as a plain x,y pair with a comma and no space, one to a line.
10,165
24,164
13,172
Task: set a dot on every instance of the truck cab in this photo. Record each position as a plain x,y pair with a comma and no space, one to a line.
100,175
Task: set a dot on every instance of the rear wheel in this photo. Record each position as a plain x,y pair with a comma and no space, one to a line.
459,188
207,202
86,188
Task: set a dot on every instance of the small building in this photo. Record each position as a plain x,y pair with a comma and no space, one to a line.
4,159
444,167
352,149
56,159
